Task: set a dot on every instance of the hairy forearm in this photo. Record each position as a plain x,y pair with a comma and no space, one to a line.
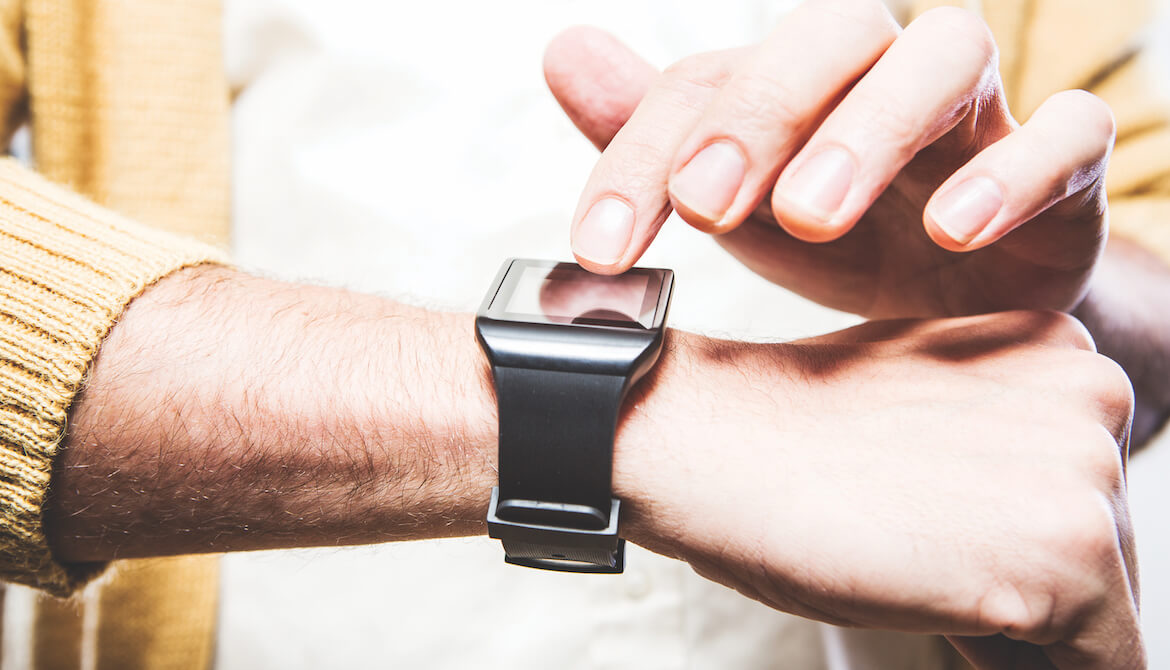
227,412
1127,310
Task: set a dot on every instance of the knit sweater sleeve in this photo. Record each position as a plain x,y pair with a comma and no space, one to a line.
67,270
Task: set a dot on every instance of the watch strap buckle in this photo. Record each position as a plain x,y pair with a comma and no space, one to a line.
557,536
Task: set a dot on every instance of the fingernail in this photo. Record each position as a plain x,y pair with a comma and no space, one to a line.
965,210
603,235
819,186
708,183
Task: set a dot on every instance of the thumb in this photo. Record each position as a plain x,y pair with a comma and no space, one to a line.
597,80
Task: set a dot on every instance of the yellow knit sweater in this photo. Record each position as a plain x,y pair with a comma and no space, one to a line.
127,104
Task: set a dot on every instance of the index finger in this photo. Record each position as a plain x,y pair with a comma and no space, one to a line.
625,200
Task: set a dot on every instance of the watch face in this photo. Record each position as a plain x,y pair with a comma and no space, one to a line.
551,292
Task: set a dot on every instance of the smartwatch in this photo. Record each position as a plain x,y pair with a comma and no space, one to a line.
565,345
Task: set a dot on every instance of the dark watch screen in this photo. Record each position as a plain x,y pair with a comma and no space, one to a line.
550,292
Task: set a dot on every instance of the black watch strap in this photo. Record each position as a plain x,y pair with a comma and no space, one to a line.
554,506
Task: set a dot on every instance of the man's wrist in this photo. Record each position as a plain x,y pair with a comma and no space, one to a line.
690,409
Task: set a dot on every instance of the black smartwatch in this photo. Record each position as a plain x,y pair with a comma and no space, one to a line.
565,345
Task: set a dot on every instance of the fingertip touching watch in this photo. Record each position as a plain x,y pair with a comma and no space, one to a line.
565,345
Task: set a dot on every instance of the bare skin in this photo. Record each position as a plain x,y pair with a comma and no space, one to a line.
987,454
871,168
907,115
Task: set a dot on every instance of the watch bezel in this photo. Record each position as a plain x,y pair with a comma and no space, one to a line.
510,341
493,306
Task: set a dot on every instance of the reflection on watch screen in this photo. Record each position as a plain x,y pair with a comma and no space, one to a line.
569,294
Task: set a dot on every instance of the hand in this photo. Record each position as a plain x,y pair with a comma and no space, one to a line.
959,476
900,182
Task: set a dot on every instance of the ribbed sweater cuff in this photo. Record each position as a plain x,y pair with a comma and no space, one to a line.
67,270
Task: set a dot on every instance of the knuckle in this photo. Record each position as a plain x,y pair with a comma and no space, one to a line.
692,82
685,67
959,27
1005,608
870,14
1102,383
764,99
636,165
1070,329
1107,466
1071,545
1055,327
1085,539
1088,112
1094,457
1115,386
1098,412
704,69
1075,130
895,126
1113,392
